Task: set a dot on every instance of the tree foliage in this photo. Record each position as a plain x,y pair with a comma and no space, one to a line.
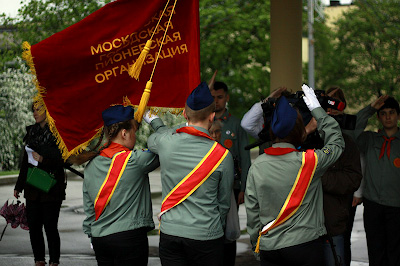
366,60
361,56
39,19
323,54
234,39
16,92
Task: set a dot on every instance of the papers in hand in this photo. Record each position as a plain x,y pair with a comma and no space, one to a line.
30,156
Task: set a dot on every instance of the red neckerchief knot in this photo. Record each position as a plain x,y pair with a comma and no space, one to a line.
112,149
193,131
278,151
388,141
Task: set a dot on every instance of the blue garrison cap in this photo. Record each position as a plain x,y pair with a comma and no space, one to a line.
200,97
116,114
283,118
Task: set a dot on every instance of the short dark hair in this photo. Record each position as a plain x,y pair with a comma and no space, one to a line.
218,85
390,103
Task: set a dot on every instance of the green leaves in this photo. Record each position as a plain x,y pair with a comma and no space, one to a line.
16,92
234,40
39,19
366,52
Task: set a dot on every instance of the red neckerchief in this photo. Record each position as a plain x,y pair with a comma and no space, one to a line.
388,141
278,151
193,131
113,149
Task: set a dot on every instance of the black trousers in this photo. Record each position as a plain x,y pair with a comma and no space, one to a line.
347,235
306,254
39,215
122,248
230,246
229,253
382,229
180,251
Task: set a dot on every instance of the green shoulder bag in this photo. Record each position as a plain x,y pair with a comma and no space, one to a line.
40,179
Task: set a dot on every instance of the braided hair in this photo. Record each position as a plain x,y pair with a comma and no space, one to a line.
110,132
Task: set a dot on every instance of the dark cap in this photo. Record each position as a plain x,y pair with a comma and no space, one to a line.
283,118
391,103
200,97
116,114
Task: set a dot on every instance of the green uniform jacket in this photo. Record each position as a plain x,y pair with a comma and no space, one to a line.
130,206
234,138
202,215
382,176
270,180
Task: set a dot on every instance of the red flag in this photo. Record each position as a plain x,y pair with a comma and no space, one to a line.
83,69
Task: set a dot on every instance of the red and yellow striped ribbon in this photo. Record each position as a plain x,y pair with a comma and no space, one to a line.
195,178
114,174
296,195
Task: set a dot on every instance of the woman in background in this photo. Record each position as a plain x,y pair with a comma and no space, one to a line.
43,209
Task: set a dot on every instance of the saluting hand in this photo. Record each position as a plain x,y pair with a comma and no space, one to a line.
310,98
378,103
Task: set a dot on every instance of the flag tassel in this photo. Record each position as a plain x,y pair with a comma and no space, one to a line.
143,102
134,71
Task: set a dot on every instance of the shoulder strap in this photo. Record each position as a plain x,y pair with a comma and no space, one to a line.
114,174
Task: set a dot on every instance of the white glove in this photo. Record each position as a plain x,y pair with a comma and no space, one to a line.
310,98
148,116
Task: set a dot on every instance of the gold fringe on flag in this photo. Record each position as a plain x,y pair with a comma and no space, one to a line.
41,92
38,100
126,101
136,68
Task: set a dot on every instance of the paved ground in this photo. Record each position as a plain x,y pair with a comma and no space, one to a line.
15,247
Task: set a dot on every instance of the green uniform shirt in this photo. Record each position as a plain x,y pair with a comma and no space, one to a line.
270,180
130,206
234,138
202,215
382,176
